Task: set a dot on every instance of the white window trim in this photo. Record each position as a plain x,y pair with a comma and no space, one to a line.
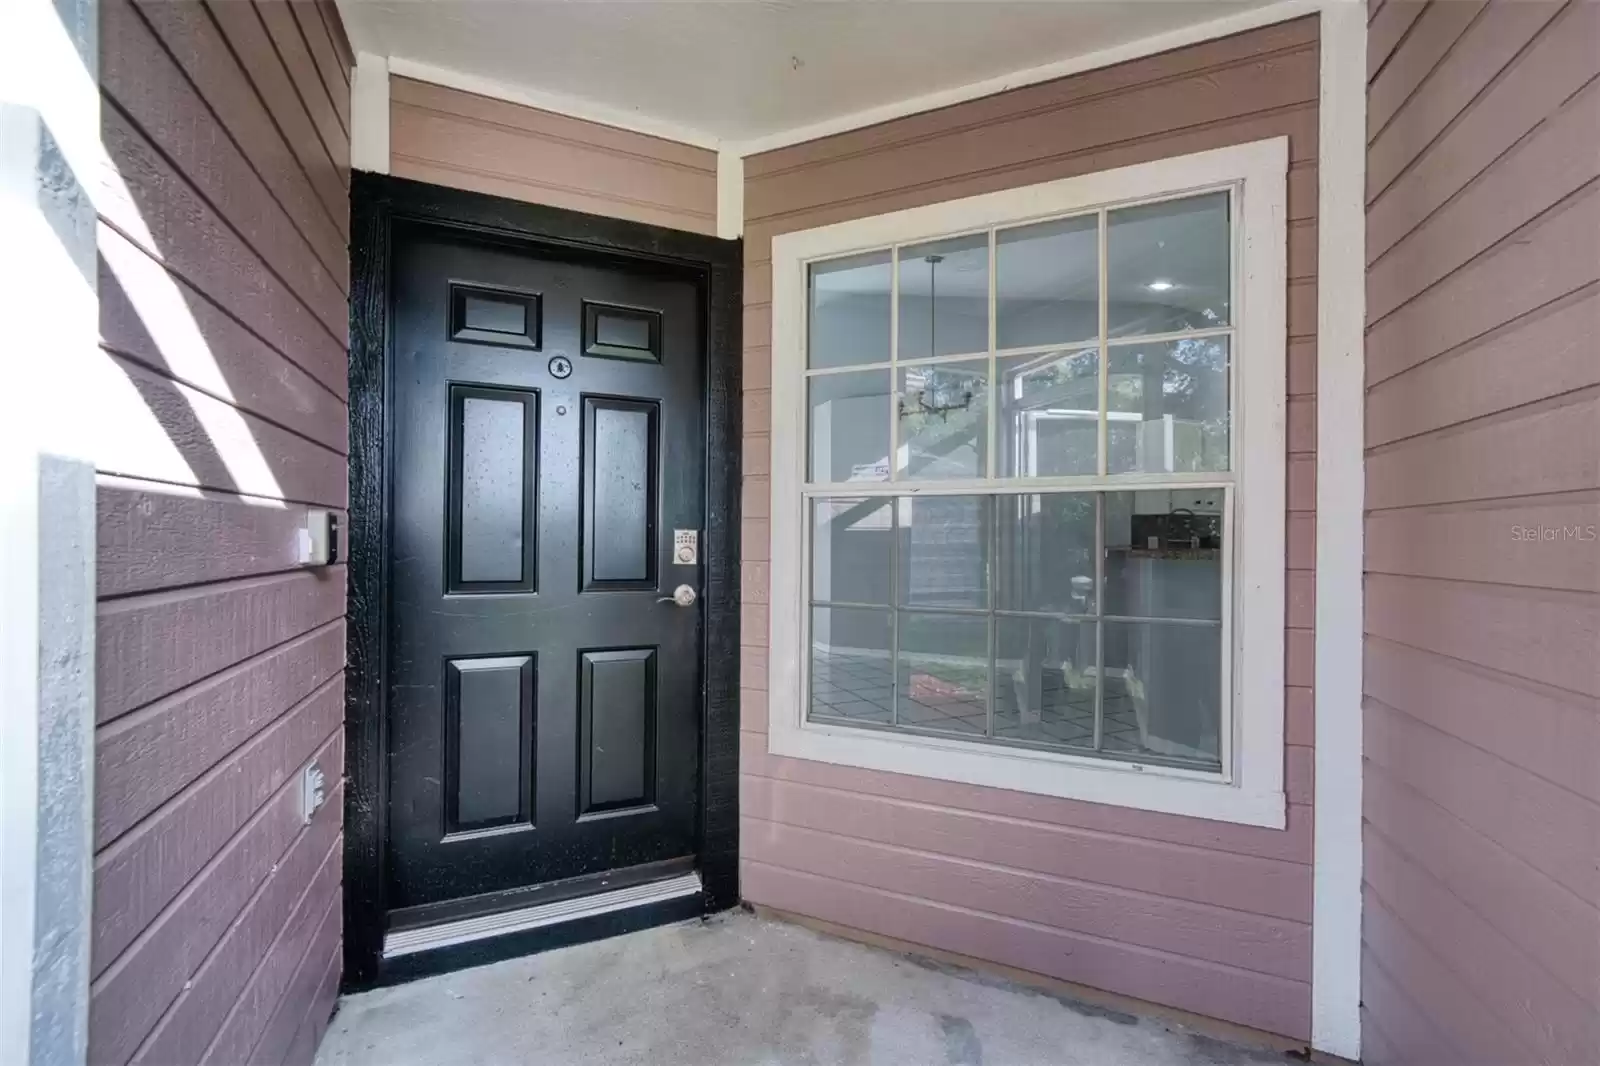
1250,789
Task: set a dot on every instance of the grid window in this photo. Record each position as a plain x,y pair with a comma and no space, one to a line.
1019,484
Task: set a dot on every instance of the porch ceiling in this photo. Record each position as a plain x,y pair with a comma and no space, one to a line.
735,73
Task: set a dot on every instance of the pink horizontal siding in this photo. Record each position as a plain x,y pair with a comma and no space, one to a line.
1482,712
449,137
223,284
1204,916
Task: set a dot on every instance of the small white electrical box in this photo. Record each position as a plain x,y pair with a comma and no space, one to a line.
318,539
312,792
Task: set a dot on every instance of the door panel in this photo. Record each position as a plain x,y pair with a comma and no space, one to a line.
547,440
619,439
489,716
617,744
493,433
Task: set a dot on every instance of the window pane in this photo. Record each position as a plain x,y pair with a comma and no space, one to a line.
1049,414
1047,283
943,551
1168,266
944,297
849,311
1164,554
850,673
1168,406
944,672
1044,553
849,426
944,421
1044,681
852,548
1163,690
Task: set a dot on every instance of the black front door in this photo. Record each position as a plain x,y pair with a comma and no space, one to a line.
547,444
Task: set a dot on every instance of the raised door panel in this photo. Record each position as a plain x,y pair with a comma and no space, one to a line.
621,447
489,731
493,484
617,730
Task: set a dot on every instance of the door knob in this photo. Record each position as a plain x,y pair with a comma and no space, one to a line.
683,596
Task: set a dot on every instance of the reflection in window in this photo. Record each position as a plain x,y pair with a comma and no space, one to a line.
848,427
944,298
1049,413
1046,681
943,559
1170,406
852,674
852,557
849,311
1163,691
1168,266
972,597
944,420
942,673
1078,620
1047,287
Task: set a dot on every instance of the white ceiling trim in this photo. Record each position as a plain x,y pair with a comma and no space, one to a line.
1254,18
579,108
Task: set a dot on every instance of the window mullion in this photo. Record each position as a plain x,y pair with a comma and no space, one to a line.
1099,619
1103,458
894,611
991,510
894,358
993,383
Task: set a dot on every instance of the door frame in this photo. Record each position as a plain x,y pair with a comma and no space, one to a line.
377,202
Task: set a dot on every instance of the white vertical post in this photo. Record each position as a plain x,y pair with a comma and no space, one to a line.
1341,314
369,113
730,194
49,312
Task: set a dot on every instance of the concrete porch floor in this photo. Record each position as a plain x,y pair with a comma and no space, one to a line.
740,990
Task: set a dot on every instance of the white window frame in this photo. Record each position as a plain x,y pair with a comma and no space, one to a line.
1249,788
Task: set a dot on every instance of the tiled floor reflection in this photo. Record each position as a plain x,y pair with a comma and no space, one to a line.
949,697
1065,711
860,687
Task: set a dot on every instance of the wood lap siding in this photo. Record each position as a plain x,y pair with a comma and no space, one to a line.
220,662
1204,916
1482,705
449,137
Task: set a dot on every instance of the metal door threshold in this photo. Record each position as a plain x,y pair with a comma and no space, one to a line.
467,930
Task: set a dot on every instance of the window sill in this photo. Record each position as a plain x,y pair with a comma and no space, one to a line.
1161,789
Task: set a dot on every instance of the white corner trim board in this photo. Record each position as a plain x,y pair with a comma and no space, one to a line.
730,195
1250,787
1341,356
369,114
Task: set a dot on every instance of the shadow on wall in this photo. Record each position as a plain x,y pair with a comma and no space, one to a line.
215,411
223,309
